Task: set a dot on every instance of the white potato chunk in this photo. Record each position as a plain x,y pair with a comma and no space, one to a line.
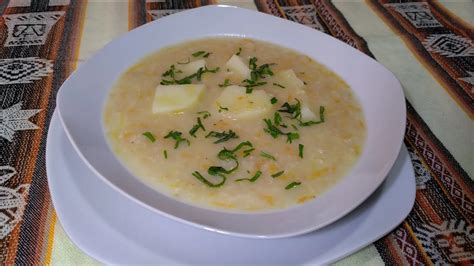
173,98
289,79
241,105
306,113
192,67
238,67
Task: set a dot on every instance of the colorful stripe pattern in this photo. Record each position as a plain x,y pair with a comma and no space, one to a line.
39,46
439,40
141,12
318,14
439,230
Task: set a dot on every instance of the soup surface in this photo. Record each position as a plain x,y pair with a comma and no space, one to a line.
235,124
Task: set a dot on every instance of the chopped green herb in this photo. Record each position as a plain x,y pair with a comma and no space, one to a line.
292,185
227,155
225,84
248,90
149,136
292,136
253,63
247,152
252,179
257,72
204,70
271,129
185,62
207,182
176,135
205,114
278,85
186,80
294,127
169,72
277,174
216,170
240,50
242,144
206,55
274,131
268,156
273,100
222,108
277,119
300,150
293,109
221,172
196,127
165,154
199,53
222,136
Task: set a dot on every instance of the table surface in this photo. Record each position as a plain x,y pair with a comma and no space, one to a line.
428,45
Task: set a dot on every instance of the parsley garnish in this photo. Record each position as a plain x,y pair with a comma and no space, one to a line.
293,109
278,85
186,80
292,136
207,182
196,127
292,185
225,84
274,131
300,150
222,108
295,113
277,174
273,100
176,135
240,50
277,119
205,114
222,136
252,179
201,71
268,156
225,155
247,152
165,154
149,136
257,72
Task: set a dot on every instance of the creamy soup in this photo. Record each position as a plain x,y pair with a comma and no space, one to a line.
235,124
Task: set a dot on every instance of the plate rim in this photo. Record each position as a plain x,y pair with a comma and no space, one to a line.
207,226
56,124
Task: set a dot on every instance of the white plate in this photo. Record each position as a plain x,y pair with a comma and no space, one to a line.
114,229
82,96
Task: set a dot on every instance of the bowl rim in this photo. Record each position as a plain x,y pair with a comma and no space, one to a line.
65,121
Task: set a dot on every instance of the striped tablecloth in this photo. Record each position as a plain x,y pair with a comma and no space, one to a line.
427,44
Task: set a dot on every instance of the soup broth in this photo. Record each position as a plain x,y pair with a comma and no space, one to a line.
234,124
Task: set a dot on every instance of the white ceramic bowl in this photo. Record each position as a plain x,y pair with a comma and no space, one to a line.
82,96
